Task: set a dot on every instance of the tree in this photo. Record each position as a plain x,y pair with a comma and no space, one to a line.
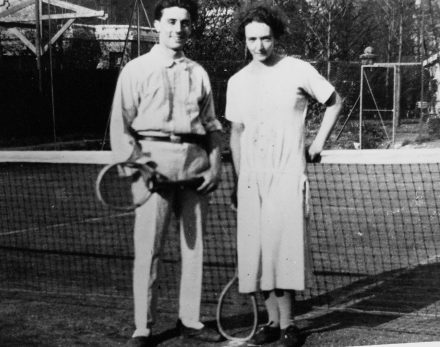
213,35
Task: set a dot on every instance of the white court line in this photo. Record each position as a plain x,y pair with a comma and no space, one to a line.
54,226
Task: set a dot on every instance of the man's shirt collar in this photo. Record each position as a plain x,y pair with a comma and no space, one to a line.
163,58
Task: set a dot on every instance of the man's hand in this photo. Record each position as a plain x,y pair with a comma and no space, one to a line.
211,181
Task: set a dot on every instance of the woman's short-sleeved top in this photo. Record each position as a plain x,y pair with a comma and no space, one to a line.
258,93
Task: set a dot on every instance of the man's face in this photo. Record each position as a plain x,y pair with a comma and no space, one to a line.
259,40
174,27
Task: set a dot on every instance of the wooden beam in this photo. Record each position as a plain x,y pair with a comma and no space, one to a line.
23,39
73,15
16,8
77,12
72,7
391,65
54,16
38,44
58,34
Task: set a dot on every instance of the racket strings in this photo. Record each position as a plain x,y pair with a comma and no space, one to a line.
128,185
123,186
237,313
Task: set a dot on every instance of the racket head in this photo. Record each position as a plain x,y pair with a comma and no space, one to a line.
116,182
237,313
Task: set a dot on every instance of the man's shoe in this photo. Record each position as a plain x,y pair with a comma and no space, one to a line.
205,334
141,341
265,334
290,337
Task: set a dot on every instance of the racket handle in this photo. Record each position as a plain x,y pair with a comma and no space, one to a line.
158,185
190,183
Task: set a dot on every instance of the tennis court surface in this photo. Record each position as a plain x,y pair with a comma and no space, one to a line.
373,234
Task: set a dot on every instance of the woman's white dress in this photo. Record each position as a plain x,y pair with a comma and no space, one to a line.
271,102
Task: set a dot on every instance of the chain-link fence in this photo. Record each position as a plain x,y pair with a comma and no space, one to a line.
82,98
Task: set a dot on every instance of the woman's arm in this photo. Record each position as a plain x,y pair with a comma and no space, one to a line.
212,176
236,131
334,106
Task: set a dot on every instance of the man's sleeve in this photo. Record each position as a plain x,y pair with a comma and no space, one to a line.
124,110
207,111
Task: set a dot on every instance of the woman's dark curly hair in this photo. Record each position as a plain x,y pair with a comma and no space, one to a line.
260,14
190,5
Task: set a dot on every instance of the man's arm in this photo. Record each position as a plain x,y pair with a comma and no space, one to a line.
235,144
334,106
124,110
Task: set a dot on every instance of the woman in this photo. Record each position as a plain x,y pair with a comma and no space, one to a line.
267,103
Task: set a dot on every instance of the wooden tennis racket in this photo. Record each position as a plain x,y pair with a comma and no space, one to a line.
114,185
237,314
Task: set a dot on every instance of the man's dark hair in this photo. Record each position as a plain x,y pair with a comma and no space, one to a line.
190,5
260,14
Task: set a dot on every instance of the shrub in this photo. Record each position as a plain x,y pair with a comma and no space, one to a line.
433,124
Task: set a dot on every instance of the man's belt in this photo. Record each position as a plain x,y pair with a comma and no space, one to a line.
181,138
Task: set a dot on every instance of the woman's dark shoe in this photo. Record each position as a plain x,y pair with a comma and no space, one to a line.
265,334
290,337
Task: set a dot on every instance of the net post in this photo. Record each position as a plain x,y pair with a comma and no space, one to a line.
361,105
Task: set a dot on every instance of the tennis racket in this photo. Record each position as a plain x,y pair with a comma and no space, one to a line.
237,314
114,185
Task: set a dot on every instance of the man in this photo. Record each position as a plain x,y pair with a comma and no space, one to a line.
163,111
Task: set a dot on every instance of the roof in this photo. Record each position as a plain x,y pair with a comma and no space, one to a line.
115,32
22,12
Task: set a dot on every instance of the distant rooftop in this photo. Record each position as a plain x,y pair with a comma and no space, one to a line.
22,12
115,32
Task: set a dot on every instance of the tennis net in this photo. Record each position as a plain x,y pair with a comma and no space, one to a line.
373,232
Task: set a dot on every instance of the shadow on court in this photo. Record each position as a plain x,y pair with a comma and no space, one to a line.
49,323
412,290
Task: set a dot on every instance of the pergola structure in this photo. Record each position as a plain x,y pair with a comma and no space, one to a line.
30,14
27,13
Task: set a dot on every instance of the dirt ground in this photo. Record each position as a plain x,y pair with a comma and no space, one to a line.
30,321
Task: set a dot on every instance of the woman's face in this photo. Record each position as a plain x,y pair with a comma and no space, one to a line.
259,41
